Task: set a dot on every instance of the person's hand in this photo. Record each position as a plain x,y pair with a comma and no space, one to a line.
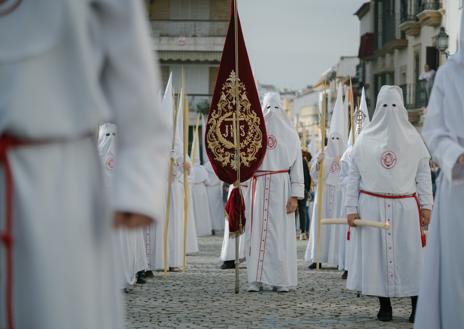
461,160
351,218
425,218
187,166
130,220
320,157
292,205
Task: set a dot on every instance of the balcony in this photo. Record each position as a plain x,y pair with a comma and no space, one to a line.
189,28
429,13
409,23
415,96
415,99
179,37
366,46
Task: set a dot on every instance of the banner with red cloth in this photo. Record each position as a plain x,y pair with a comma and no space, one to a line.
235,83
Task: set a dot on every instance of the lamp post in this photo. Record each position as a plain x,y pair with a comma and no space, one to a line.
443,41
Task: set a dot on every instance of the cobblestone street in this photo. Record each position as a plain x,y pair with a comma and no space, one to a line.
204,298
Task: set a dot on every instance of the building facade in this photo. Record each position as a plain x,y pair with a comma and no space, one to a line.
190,35
397,41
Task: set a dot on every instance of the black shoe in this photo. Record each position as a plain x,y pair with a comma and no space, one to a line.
149,275
228,264
413,311
385,313
345,275
141,277
313,266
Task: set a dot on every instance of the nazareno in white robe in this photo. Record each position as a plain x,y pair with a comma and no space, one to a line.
441,296
361,116
215,199
270,232
228,242
331,207
332,191
345,245
62,219
129,244
389,157
198,177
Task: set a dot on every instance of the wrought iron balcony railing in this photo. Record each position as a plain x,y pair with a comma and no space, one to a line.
189,28
408,10
428,5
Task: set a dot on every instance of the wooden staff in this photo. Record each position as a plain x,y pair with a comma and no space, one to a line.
320,180
185,111
351,100
358,222
238,162
168,205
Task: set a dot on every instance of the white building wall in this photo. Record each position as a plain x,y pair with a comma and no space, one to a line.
367,22
451,22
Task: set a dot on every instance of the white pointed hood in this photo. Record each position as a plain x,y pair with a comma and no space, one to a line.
389,149
107,147
203,139
167,104
361,118
179,138
338,132
195,151
278,125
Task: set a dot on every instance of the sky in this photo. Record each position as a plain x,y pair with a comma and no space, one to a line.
292,42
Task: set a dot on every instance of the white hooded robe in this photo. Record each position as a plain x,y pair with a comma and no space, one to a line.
389,157
129,244
271,244
332,191
63,72
441,296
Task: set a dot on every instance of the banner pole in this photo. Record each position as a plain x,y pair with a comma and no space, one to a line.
320,180
352,113
237,146
186,184
168,205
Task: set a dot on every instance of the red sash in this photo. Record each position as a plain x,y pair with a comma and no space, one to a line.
8,143
406,196
6,236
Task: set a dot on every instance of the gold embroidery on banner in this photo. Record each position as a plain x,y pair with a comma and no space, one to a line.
220,135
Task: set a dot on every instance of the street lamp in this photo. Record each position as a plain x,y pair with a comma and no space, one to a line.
442,41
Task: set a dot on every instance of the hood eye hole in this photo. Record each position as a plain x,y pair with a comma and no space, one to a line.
268,107
276,107
108,134
394,105
385,105
114,134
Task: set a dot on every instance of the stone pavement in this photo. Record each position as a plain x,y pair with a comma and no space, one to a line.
204,297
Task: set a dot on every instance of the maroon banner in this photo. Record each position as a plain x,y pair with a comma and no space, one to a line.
220,142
